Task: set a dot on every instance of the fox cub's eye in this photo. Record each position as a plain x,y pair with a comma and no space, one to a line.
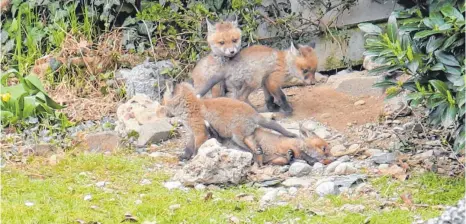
234,40
305,71
221,42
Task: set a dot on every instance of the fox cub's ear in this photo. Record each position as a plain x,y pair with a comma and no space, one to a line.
210,26
234,19
293,50
169,88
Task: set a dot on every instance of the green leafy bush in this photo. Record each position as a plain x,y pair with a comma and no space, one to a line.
431,50
26,99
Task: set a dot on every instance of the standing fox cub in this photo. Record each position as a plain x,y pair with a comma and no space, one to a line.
261,66
232,119
280,150
224,39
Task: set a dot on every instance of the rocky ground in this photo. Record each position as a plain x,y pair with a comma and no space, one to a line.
370,137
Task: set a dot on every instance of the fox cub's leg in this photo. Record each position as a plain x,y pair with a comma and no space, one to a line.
269,102
280,161
256,151
189,149
279,96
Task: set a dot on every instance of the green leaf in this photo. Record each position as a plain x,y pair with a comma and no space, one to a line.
29,106
450,40
6,116
437,67
453,70
426,33
433,44
385,68
413,66
460,98
392,28
370,28
384,83
449,115
446,59
33,81
439,86
428,22
449,11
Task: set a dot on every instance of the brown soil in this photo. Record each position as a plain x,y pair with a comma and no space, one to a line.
328,106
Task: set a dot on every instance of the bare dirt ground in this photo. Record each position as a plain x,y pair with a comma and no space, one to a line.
330,107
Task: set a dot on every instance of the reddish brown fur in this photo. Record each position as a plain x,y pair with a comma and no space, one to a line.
275,147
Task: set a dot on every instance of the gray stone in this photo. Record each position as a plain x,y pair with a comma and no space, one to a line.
352,208
311,125
425,155
284,169
383,166
369,64
359,103
338,149
269,182
269,196
331,167
355,84
298,182
326,188
147,78
170,185
383,157
44,150
139,115
215,164
371,152
344,158
348,180
200,187
101,142
299,169
154,132
322,133
345,169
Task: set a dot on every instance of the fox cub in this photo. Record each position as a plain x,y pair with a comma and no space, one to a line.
224,39
280,150
261,66
232,119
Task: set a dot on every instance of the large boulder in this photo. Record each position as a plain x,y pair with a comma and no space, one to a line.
356,83
140,115
147,78
215,164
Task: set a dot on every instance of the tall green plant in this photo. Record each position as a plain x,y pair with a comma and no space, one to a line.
431,50
25,99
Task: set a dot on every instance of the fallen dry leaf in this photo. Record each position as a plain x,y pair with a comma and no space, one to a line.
53,160
129,218
407,199
208,196
394,171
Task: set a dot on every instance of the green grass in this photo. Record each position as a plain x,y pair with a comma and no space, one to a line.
58,195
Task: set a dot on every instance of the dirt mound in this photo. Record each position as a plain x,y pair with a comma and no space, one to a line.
328,106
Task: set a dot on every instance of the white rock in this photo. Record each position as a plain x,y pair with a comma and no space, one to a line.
344,158
322,133
87,197
331,167
298,182
101,184
174,207
29,204
200,187
138,202
145,182
172,185
359,103
292,190
269,196
352,208
215,164
338,149
383,166
326,188
299,169
344,169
